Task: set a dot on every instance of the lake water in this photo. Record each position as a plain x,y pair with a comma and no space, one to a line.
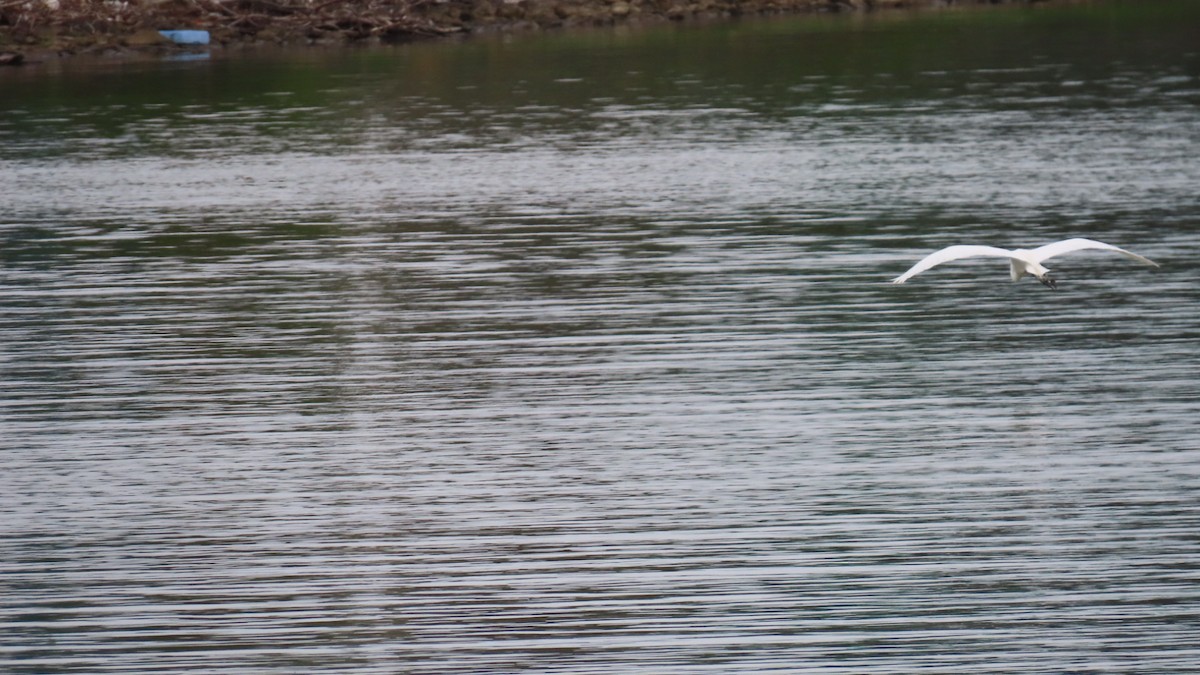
576,352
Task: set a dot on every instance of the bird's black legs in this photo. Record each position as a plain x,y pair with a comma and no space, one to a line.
1048,282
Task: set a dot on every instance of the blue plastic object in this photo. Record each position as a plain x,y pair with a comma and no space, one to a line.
186,37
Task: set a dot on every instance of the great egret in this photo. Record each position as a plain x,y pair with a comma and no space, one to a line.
1021,261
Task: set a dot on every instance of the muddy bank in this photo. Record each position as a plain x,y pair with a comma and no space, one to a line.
65,27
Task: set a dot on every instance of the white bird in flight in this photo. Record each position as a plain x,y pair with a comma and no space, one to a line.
1021,261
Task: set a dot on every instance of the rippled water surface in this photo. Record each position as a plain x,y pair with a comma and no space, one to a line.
576,353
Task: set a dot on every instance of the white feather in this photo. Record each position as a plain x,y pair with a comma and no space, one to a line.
1079,244
1022,261
952,253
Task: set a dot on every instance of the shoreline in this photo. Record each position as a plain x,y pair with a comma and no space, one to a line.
36,30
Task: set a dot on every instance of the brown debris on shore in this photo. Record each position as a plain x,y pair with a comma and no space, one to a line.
91,26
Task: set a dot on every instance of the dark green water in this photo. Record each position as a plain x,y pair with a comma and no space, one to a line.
576,353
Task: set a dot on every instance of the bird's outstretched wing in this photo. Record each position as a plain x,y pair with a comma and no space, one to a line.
1079,244
952,253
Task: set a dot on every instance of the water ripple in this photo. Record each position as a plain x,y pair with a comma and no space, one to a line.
554,369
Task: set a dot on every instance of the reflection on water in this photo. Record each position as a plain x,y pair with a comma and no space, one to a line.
577,354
